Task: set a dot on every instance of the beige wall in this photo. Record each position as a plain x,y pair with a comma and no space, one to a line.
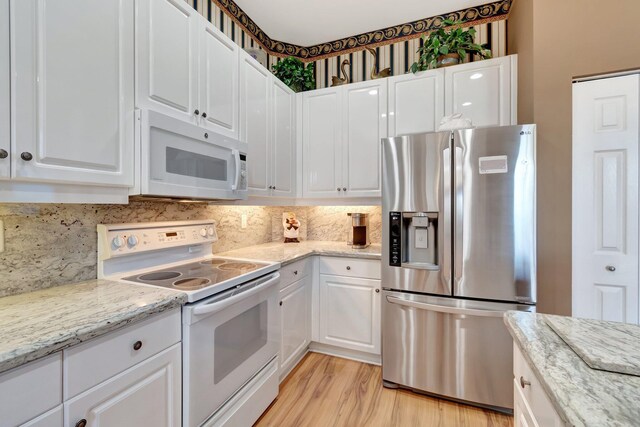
558,40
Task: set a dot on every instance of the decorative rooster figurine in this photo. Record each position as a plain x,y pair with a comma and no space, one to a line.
374,72
337,81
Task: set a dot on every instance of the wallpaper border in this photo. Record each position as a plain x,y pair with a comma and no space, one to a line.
490,12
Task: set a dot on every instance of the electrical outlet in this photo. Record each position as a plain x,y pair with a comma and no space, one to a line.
1,235
243,222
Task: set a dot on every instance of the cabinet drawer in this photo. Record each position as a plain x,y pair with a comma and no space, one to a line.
295,271
541,407
91,363
352,267
30,390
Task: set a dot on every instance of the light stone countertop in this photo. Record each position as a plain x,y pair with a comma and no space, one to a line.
286,253
582,396
39,323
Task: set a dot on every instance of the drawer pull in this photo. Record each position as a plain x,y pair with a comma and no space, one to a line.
137,346
81,423
348,267
280,303
523,382
610,268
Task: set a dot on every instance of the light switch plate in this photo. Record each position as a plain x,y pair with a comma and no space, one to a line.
243,222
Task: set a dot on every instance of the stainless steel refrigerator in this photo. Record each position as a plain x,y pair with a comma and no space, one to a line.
458,250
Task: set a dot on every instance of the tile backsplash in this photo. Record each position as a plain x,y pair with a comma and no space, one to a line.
48,245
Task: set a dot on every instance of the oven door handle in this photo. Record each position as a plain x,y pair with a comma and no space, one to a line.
236,156
220,305
444,308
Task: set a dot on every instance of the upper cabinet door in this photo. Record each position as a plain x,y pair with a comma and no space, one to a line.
255,88
605,199
365,124
283,142
416,102
5,105
72,91
218,83
167,58
322,143
484,91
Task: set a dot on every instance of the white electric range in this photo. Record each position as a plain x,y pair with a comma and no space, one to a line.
230,325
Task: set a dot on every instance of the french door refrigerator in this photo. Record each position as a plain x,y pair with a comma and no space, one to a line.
459,249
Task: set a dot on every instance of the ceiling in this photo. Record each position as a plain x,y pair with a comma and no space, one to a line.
310,22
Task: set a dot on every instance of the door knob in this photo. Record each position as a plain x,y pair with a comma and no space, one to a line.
137,346
26,156
3,154
196,112
344,188
610,268
204,115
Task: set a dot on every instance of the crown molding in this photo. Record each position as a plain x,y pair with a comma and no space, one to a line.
495,11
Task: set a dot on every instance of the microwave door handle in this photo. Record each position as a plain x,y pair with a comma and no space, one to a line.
445,309
220,305
236,156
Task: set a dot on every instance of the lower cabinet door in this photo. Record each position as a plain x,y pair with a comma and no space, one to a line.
53,418
295,322
350,312
522,415
148,394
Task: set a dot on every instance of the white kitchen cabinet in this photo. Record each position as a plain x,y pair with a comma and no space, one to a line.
167,58
218,81
255,93
53,418
322,143
484,91
532,407
295,323
5,89
282,146
72,92
148,394
342,128
30,390
364,126
349,311
605,198
416,102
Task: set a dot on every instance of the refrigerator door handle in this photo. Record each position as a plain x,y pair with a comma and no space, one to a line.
458,220
444,309
445,247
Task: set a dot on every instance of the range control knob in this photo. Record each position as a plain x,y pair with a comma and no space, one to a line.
117,242
132,240
203,232
210,230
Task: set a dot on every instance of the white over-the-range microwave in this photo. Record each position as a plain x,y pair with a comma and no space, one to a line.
179,160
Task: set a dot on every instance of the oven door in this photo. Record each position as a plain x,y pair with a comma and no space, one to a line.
227,339
181,160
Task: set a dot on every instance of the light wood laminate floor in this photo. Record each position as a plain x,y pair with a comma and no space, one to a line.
329,391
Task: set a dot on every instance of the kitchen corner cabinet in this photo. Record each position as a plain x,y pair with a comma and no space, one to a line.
342,129
350,304
484,91
72,92
416,102
5,89
531,405
267,125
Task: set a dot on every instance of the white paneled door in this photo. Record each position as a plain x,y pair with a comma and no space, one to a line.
5,105
72,91
283,142
605,198
167,58
365,124
218,83
416,102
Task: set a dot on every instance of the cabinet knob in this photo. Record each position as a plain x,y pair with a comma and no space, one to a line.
206,135
204,115
377,291
197,112
295,273
3,154
137,345
81,423
348,267
339,189
280,302
274,187
610,268
344,188
26,156
523,382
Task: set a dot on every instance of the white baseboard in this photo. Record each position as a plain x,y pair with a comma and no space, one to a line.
358,356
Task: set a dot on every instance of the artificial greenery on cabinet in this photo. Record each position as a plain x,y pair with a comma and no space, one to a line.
293,72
